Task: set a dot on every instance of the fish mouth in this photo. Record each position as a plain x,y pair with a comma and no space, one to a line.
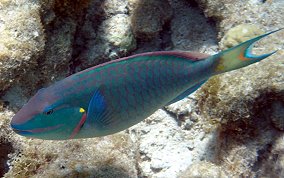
16,129
21,132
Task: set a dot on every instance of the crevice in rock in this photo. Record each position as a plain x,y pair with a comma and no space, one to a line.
269,105
66,36
138,157
137,167
268,163
165,36
156,170
152,31
173,115
85,32
193,3
184,119
59,21
6,148
262,157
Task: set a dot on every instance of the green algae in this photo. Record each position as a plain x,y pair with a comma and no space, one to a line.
207,97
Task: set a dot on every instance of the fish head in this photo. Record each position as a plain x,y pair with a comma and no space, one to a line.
48,117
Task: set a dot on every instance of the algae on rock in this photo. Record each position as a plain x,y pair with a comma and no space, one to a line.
22,40
203,169
149,17
239,34
244,101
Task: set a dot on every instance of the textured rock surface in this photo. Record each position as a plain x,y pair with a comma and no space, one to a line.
203,170
117,31
149,17
245,100
21,39
165,149
190,30
239,34
232,126
229,13
106,34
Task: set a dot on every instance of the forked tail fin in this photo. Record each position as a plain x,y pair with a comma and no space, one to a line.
238,56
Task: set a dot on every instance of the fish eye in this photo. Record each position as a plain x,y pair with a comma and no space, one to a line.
48,112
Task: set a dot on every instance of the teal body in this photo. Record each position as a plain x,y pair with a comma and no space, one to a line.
134,90
113,96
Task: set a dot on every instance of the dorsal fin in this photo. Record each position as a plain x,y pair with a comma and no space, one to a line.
194,56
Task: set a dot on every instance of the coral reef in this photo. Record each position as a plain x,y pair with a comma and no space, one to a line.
231,127
244,102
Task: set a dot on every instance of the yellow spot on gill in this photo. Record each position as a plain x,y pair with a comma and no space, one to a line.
82,110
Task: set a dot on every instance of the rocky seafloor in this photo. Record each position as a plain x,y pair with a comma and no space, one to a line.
233,126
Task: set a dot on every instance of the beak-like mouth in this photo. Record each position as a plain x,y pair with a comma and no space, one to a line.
21,132
16,128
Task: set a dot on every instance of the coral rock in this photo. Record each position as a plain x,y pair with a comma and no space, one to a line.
240,34
149,17
21,39
203,169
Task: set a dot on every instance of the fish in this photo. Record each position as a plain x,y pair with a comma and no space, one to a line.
113,96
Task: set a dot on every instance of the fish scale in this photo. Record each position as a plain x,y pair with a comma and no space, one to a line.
149,94
163,77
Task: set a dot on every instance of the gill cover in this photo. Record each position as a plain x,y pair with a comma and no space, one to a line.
59,124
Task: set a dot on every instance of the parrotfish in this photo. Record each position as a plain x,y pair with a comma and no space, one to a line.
116,95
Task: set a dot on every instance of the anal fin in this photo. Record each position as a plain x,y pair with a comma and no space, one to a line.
187,92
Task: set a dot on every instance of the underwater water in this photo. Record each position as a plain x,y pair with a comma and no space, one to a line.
231,127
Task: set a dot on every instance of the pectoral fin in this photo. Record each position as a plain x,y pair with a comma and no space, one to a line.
98,111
